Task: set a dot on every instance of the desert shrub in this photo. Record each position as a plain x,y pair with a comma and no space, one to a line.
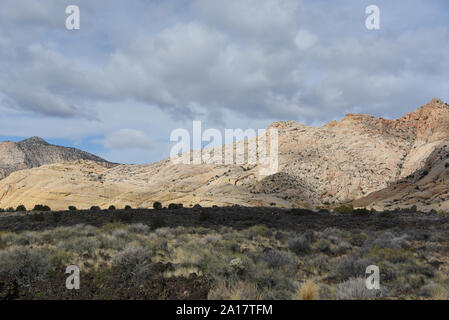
21,208
280,236
342,248
80,245
40,207
308,291
388,271
326,292
157,205
2,210
257,231
278,259
157,221
434,291
234,291
420,269
239,266
299,245
386,240
72,208
95,208
25,265
344,209
10,209
390,254
134,264
197,206
112,208
139,228
351,266
324,245
128,207
355,288
358,239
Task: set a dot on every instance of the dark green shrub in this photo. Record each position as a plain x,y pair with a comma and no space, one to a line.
157,205
173,206
40,207
21,208
128,207
197,206
299,245
361,212
344,209
95,208
10,209
72,208
112,208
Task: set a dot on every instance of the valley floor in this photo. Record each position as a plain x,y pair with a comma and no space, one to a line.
223,253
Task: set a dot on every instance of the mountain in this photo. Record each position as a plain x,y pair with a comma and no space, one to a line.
35,152
370,161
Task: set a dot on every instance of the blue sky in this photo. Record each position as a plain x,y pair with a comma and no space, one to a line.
138,69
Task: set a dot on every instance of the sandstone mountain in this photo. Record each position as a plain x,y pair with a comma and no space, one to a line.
35,152
376,162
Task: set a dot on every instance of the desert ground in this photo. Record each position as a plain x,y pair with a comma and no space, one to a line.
224,253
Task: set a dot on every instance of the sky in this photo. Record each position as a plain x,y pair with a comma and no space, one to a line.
137,70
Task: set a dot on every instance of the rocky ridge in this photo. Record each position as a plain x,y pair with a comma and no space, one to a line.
342,161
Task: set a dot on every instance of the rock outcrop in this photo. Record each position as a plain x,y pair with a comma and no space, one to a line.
35,152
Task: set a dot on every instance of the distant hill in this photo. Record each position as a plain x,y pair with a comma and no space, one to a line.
35,152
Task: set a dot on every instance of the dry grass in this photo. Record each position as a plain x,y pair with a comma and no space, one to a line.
234,291
308,291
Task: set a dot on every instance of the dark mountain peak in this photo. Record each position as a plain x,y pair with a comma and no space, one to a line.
34,140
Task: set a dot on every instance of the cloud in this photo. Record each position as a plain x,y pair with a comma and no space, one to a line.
154,66
128,139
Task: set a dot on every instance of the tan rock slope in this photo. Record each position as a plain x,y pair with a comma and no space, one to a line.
360,157
35,152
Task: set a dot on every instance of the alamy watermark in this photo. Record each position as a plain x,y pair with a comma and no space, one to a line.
73,21
373,280
239,147
73,280
372,22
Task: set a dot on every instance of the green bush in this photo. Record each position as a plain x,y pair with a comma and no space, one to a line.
21,208
157,205
95,208
72,208
111,208
128,207
40,207
173,206
344,209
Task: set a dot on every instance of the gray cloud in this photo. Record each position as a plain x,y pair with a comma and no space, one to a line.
225,63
